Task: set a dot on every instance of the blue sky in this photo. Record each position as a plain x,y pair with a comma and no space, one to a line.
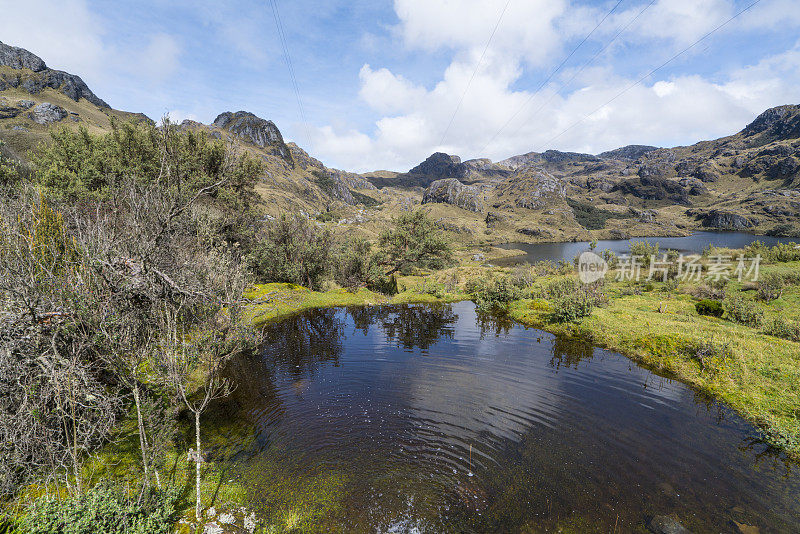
380,80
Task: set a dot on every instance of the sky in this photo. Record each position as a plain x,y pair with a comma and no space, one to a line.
383,84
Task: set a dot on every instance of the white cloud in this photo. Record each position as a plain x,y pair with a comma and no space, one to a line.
160,59
666,111
527,28
64,33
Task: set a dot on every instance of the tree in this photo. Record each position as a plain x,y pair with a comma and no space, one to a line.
414,241
291,249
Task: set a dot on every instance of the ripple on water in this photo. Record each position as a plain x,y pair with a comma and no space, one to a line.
434,421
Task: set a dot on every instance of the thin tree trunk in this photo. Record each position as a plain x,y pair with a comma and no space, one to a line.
142,438
197,458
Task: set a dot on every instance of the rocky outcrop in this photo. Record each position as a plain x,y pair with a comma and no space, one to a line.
19,58
351,179
694,186
451,191
629,152
553,157
724,220
260,132
532,188
778,123
30,73
47,113
440,165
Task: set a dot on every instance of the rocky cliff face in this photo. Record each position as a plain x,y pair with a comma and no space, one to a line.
262,133
451,191
28,71
532,188
629,152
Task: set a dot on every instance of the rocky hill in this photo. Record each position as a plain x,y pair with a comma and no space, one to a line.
34,99
747,181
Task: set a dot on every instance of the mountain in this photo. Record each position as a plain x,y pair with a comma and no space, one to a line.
34,99
746,181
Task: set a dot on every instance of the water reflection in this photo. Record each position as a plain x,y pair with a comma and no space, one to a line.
412,326
693,244
440,419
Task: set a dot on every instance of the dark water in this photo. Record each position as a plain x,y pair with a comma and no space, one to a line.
432,419
693,244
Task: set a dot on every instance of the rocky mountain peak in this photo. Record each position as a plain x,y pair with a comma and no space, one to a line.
261,132
40,76
441,165
19,58
628,152
782,122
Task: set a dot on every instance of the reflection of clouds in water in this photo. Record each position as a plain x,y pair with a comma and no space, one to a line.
496,392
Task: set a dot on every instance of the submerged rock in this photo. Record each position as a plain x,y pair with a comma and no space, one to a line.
664,524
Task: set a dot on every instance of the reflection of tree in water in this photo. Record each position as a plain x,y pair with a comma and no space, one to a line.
569,351
409,326
493,324
302,342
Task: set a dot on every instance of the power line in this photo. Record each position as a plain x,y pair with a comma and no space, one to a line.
474,72
503,127
640,80
288,60
591,60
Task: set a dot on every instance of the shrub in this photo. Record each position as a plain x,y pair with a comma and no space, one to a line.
523,276
743,311
711,308
356,266
645,250
770,287
561,288
494,295
571,308
414,241
780,327
103,509
710,355
292,250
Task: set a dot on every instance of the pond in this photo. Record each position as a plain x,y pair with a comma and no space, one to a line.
438,419
693,244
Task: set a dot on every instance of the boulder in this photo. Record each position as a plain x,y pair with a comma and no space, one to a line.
451,191
694,185
26,104
600,183
47,113
664,524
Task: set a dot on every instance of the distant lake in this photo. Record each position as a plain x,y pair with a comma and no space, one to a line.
693,244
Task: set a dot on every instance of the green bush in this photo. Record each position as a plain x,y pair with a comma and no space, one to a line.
356,266
292,250
103,509
644,249
494,296
780,253
571,308
414,241
711,356
711,308
743,311
561,288
780,327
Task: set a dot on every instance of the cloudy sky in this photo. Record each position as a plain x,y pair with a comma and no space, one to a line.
380,81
